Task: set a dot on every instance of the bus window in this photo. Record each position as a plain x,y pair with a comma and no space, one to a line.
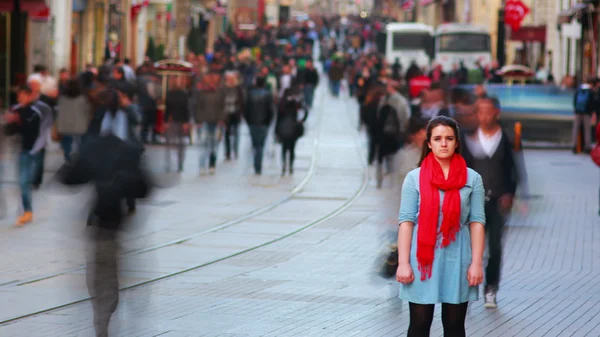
463,42
411,41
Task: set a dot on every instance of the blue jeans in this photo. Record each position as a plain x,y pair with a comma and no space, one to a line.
335,87
67,143
309,94
27,166
209,143
258,133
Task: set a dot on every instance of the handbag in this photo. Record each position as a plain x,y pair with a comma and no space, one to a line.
299,129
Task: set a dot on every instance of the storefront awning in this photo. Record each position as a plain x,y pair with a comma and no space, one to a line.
6,6
529,34
567,15
33,6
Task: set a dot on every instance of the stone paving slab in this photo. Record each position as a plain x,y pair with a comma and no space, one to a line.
323,281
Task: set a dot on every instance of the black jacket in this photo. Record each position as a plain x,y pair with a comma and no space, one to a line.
308,77
28,126
259,108
116,169
499,173
177,108
288,127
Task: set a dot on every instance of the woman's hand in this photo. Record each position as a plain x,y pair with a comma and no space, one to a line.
475,274
405,274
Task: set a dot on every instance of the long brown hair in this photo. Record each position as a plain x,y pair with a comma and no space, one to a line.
437,121
374,94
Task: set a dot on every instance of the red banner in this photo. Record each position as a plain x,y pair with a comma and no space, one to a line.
514,13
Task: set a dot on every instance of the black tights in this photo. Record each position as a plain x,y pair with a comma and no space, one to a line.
288,146
453,319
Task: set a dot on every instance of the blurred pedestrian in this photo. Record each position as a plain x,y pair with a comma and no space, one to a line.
74,113
25,121
177,122
448,254
289,128
392,121
234,107
583,103
310,80
209,114
114,166
490,152
46,122
336,74
409,155
259,111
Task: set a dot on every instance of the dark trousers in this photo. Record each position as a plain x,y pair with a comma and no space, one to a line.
232,136
372,144
309,94
102,278
288,148
148,127
494,228
258,133
38,175
67,143
335,87
175,140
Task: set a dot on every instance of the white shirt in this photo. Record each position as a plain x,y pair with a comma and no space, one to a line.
286,82
489,145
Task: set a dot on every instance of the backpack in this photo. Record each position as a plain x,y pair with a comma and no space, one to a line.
390,122
581,100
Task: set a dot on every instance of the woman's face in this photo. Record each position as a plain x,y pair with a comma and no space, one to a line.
443,142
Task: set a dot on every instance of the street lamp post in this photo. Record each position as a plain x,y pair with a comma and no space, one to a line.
501,40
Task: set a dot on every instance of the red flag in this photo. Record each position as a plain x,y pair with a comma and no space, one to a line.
514,13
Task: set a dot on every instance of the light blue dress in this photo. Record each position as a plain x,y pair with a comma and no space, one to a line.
448,282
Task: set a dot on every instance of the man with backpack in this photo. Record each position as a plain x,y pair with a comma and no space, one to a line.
583,103
392,119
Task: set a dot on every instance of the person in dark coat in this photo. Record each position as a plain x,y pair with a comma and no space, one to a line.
368,116
288,128
259,112
490,153
177,123
116,170
234,106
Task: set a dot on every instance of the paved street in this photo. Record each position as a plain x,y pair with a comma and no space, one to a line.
238,255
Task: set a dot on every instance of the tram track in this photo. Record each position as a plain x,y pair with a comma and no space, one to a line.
293,195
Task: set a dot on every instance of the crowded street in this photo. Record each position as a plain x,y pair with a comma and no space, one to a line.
374,168
296,256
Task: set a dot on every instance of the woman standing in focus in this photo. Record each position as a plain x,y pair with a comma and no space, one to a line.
441,233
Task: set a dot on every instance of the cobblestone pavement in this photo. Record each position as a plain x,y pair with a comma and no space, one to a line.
306,266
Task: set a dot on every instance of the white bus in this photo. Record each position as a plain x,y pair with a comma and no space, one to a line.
456,42
409,42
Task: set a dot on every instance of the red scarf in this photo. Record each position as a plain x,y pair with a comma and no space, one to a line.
431,181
